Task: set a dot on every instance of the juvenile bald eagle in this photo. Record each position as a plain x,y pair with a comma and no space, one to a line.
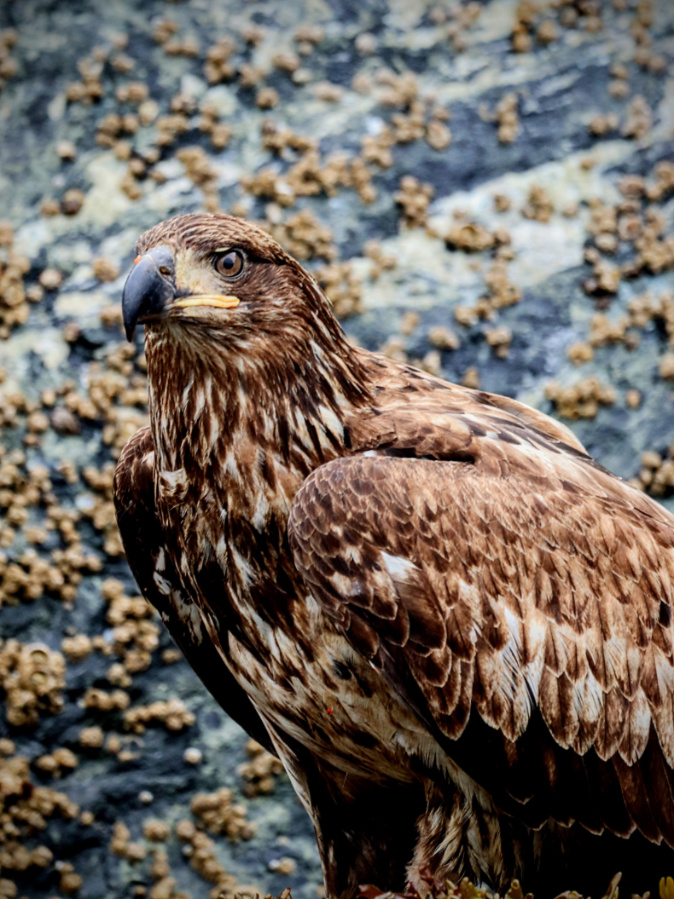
449,622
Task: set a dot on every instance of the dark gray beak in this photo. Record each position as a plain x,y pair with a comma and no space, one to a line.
149,287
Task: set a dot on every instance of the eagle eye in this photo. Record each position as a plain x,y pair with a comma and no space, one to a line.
229,264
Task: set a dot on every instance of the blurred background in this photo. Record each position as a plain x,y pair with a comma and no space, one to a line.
483,189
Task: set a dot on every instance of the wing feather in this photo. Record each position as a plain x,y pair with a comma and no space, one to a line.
150,563
531,586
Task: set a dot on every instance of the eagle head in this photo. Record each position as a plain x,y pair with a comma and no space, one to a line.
216,275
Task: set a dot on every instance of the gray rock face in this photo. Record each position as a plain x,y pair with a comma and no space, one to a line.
566,111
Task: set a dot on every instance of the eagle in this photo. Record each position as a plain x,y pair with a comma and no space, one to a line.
449,622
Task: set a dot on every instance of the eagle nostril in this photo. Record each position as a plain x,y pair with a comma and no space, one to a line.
149,287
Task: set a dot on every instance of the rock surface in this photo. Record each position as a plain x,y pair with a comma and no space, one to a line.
486,189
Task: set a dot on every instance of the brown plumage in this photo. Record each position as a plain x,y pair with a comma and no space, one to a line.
450,623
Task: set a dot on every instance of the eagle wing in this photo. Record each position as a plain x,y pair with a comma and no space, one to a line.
151,565
517,597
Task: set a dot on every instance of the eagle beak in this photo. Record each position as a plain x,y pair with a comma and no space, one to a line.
151,287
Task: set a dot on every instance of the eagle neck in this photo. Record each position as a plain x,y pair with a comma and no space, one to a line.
226,413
